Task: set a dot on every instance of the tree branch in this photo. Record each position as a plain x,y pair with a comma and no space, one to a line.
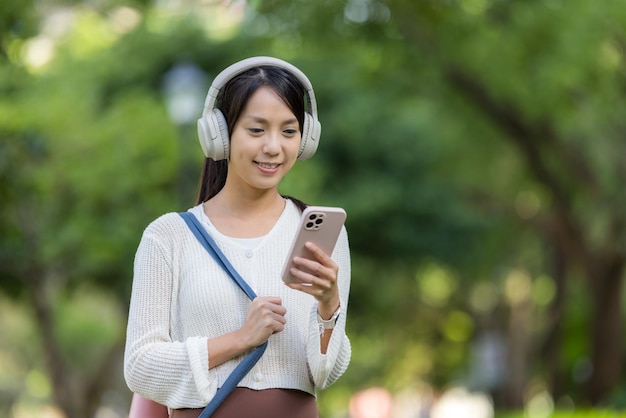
527,137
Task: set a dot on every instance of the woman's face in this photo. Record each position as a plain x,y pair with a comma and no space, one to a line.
264,143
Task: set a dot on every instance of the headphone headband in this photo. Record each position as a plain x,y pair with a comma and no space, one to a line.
237,68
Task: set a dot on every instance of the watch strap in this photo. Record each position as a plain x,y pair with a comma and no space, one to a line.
325,324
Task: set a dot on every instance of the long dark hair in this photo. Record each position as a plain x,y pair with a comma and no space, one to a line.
231,101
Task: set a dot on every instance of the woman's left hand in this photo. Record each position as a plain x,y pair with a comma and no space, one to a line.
318,278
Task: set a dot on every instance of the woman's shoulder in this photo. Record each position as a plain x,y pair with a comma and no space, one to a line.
167,225
291,208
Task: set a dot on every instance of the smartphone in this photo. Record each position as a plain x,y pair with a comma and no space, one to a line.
320,225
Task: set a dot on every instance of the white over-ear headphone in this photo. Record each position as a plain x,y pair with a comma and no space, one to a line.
212,127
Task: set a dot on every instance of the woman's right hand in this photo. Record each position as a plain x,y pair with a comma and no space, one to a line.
266,317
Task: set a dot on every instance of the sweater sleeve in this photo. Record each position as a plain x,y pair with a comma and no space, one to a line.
327,368
173,373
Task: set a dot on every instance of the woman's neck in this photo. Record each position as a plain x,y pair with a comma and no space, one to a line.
241,216
239,202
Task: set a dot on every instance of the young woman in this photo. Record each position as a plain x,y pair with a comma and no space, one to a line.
189,324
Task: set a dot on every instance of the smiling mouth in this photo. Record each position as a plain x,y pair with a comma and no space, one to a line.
268,165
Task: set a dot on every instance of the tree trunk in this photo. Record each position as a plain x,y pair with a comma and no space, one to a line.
77,397
606,331
519,348
537,141
552,347
61,383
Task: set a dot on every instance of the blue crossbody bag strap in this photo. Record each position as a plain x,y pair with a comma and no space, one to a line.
250,360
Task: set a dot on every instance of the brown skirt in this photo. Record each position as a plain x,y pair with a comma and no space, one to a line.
269,403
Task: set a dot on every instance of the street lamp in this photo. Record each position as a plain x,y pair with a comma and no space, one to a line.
184,89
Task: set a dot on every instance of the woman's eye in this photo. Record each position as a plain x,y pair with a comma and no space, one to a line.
255,130
290,132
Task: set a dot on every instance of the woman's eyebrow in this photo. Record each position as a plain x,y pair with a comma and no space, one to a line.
263,120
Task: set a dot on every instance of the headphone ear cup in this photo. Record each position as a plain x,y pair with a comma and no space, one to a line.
311,130
213,135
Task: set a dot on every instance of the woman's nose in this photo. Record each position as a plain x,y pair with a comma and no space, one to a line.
272,143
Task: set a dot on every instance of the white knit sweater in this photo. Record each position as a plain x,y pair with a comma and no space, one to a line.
181,298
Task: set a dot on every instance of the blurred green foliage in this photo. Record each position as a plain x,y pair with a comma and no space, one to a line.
477,147
566,414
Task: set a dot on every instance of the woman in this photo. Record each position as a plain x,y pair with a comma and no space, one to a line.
189,325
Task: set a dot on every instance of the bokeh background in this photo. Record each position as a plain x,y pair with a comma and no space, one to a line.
478,147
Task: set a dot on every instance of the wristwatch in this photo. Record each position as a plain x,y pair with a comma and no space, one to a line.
325,324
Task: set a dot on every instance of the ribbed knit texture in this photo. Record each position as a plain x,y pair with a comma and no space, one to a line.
181,298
